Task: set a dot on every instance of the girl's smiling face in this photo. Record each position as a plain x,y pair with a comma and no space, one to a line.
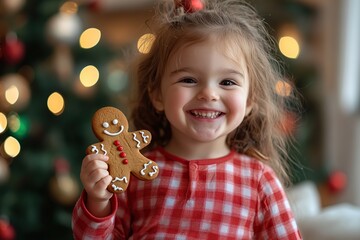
203,92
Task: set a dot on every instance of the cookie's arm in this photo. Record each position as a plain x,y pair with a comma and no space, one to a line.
97,148
140,139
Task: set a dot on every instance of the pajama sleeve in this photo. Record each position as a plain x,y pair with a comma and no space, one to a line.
275,219
114,226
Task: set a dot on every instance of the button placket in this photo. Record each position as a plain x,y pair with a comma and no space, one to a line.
193,171
193,177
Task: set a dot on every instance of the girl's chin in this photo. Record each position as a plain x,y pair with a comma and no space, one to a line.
203,137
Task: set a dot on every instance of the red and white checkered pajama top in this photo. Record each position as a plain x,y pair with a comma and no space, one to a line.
233,197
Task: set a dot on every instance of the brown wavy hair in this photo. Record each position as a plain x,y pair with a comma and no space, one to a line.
237,26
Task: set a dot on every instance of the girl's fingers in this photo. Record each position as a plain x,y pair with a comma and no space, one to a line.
94,157
99,189
102,183
93,168
93,175
97,181
96,175
93,162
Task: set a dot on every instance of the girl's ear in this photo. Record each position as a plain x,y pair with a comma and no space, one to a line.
249,107
156,100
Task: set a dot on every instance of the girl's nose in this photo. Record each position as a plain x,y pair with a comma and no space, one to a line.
208,93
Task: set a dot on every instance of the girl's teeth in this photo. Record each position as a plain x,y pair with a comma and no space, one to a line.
206,114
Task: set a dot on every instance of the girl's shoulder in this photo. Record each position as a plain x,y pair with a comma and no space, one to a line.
257,168
249,162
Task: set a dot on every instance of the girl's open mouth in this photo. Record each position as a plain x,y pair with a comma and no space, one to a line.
205,114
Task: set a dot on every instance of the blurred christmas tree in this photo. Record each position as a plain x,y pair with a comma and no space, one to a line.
50,85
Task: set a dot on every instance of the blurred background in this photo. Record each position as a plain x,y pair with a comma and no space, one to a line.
62,60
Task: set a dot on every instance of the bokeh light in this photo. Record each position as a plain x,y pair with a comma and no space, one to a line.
64,28
69,7
89,76
283,88
3,122
145,42
14,122
117,80
289,47
12,6
18,125
12,94
12,147
90,38
15,92
56,103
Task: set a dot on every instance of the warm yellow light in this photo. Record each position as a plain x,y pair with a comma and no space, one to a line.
3,122
11,147
283,88
69,7
89,76
55,103
14,122
12,94
289,47
89,38
145,42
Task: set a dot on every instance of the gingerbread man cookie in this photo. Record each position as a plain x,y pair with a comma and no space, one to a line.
110,126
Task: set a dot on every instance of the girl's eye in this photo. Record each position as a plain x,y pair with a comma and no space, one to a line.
228,82
187,80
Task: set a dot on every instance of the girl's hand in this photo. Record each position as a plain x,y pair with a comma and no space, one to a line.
95,178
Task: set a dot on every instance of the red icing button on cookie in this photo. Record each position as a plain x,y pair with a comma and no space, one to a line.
116,143
122,154
120,148
125,161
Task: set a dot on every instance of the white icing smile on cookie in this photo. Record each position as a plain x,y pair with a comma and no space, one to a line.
114,122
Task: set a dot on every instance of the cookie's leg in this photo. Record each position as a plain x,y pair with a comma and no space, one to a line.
147,170
119,182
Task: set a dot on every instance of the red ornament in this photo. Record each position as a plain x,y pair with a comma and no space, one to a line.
7,231
61,165
13,51
337,181
94,5
192,5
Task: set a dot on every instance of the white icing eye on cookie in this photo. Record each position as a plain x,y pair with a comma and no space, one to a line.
106,124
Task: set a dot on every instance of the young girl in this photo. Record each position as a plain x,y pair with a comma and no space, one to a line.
206,92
